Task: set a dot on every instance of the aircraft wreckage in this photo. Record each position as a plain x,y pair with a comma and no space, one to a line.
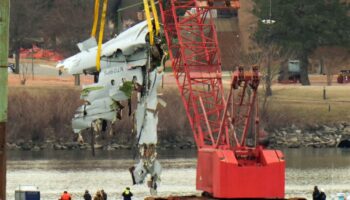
128,64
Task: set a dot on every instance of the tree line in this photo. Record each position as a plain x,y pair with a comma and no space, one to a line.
53,24
305,27
302,26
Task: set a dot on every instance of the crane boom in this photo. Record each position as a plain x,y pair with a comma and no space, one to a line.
195,54
229,164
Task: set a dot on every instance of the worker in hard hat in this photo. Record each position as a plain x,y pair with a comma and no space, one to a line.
127,194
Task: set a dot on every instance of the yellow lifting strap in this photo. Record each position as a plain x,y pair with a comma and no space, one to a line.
96,16
155,16
100,38
149,19
102,28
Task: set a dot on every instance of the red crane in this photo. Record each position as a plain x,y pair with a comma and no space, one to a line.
231,163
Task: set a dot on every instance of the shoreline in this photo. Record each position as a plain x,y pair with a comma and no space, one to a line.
317,136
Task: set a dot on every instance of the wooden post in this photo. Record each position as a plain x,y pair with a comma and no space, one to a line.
77,79
2,160
4,45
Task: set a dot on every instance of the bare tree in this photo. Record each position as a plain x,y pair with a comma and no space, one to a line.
24,72
26,17
273,58
54,24
67,23
332,58
251,58
270,58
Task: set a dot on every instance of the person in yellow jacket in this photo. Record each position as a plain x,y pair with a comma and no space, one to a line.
127,194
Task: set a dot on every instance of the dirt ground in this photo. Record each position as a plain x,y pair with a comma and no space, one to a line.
52,79
45,81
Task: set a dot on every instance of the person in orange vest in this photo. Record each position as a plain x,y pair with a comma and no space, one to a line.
65,196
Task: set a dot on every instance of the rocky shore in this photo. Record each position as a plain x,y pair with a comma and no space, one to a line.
317,136
179,143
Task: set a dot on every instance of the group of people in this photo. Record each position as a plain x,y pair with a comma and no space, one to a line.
319,194
99,195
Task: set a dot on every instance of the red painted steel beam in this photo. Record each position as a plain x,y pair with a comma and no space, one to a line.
196,64
225,162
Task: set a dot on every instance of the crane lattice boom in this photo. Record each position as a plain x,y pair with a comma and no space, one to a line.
231,163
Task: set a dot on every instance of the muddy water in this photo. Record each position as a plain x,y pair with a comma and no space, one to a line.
76,171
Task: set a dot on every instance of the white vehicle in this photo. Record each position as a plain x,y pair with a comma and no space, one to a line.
11,68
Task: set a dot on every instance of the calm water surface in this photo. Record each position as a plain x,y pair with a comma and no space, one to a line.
75,171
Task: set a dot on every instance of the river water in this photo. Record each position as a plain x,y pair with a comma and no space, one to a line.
75,171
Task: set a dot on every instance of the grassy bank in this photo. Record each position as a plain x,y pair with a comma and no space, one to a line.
40,113
304,106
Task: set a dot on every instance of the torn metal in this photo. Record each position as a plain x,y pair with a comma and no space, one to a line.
128,65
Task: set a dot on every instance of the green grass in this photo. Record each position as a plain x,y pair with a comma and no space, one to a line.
305,105
314,93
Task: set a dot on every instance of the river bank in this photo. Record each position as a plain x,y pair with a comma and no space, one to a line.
317,136
23,145
39,118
